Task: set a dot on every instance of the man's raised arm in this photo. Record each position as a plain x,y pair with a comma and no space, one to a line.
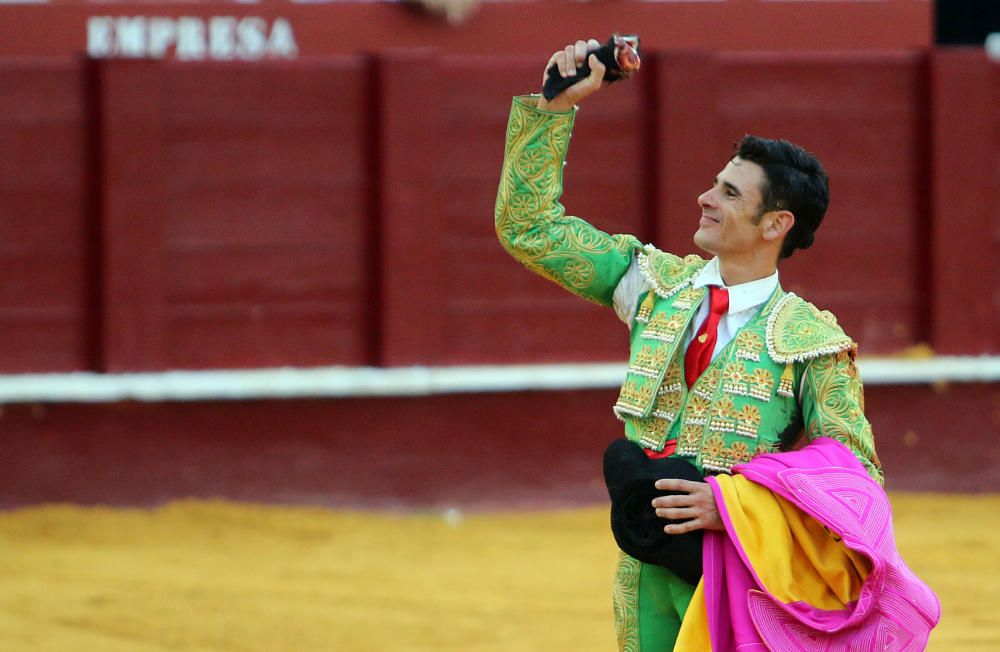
530,221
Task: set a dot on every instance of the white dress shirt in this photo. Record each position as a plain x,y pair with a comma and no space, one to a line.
745,300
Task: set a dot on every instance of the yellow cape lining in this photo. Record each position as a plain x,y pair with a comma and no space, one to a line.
794,556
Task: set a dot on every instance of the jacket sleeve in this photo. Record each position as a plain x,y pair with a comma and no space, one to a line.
532,224
833,406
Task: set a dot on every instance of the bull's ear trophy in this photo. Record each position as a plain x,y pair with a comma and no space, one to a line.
620,56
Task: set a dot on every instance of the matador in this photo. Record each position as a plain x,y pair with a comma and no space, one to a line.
724,364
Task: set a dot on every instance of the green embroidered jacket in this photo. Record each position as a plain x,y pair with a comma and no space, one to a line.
790,369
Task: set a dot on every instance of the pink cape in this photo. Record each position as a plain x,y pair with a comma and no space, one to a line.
895,610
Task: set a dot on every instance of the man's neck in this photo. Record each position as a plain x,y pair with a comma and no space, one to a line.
736,271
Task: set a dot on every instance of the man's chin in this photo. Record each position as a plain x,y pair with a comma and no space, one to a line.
703,242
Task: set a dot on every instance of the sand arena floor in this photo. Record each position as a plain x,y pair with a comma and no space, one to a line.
225,577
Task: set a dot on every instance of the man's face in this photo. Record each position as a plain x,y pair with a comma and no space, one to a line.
730,209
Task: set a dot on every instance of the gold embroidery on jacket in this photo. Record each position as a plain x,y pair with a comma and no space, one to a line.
713,454
649,361
760,385
732,379
687,298
646,308
663,328
696,412
706,384
689,442
672,380
668,404
837,400
625,601
634,397
785,384
723,416
652,432
530,221
748,421
749,346
739,452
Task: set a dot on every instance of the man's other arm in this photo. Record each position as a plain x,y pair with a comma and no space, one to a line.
833,405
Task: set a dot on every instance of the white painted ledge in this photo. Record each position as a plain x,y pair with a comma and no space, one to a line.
410,381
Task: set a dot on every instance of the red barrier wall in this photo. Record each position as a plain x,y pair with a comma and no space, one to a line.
531,449
214,29
237,203
478,304
165,215
47,297
965,165
865,116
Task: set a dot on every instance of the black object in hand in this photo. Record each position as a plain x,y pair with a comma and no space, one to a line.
620,56
631,478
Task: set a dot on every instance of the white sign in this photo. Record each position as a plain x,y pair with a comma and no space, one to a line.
189,38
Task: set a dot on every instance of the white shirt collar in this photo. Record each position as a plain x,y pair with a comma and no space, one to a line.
743,296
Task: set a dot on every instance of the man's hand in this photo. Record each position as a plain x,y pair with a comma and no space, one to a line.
695,502
566,60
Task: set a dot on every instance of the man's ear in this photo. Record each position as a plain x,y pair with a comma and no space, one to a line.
777,224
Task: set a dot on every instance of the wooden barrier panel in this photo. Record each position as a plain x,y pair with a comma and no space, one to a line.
339,211
236,206
965,164
484,449
451,293
47,244
864,116
277,29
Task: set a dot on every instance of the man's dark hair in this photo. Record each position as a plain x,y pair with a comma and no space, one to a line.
794,181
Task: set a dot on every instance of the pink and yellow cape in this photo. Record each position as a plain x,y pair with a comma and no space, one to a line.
808,562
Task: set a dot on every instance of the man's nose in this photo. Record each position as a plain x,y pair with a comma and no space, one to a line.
707,199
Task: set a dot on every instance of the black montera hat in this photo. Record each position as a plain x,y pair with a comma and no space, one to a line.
630,476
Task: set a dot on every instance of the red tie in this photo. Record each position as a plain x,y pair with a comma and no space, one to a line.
699,353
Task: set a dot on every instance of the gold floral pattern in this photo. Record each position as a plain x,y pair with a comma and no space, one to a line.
666,273
714,447
689,443
625,601
688,297
532,224
635,395
748,421
798,331
668,405
835,408
652,432
765,447
664,328
760,385
739,452
732,379
706,384
649,361
672,380
696,413
749,346
723,416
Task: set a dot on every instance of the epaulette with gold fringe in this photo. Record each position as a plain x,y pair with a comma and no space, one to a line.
798,331
666,273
